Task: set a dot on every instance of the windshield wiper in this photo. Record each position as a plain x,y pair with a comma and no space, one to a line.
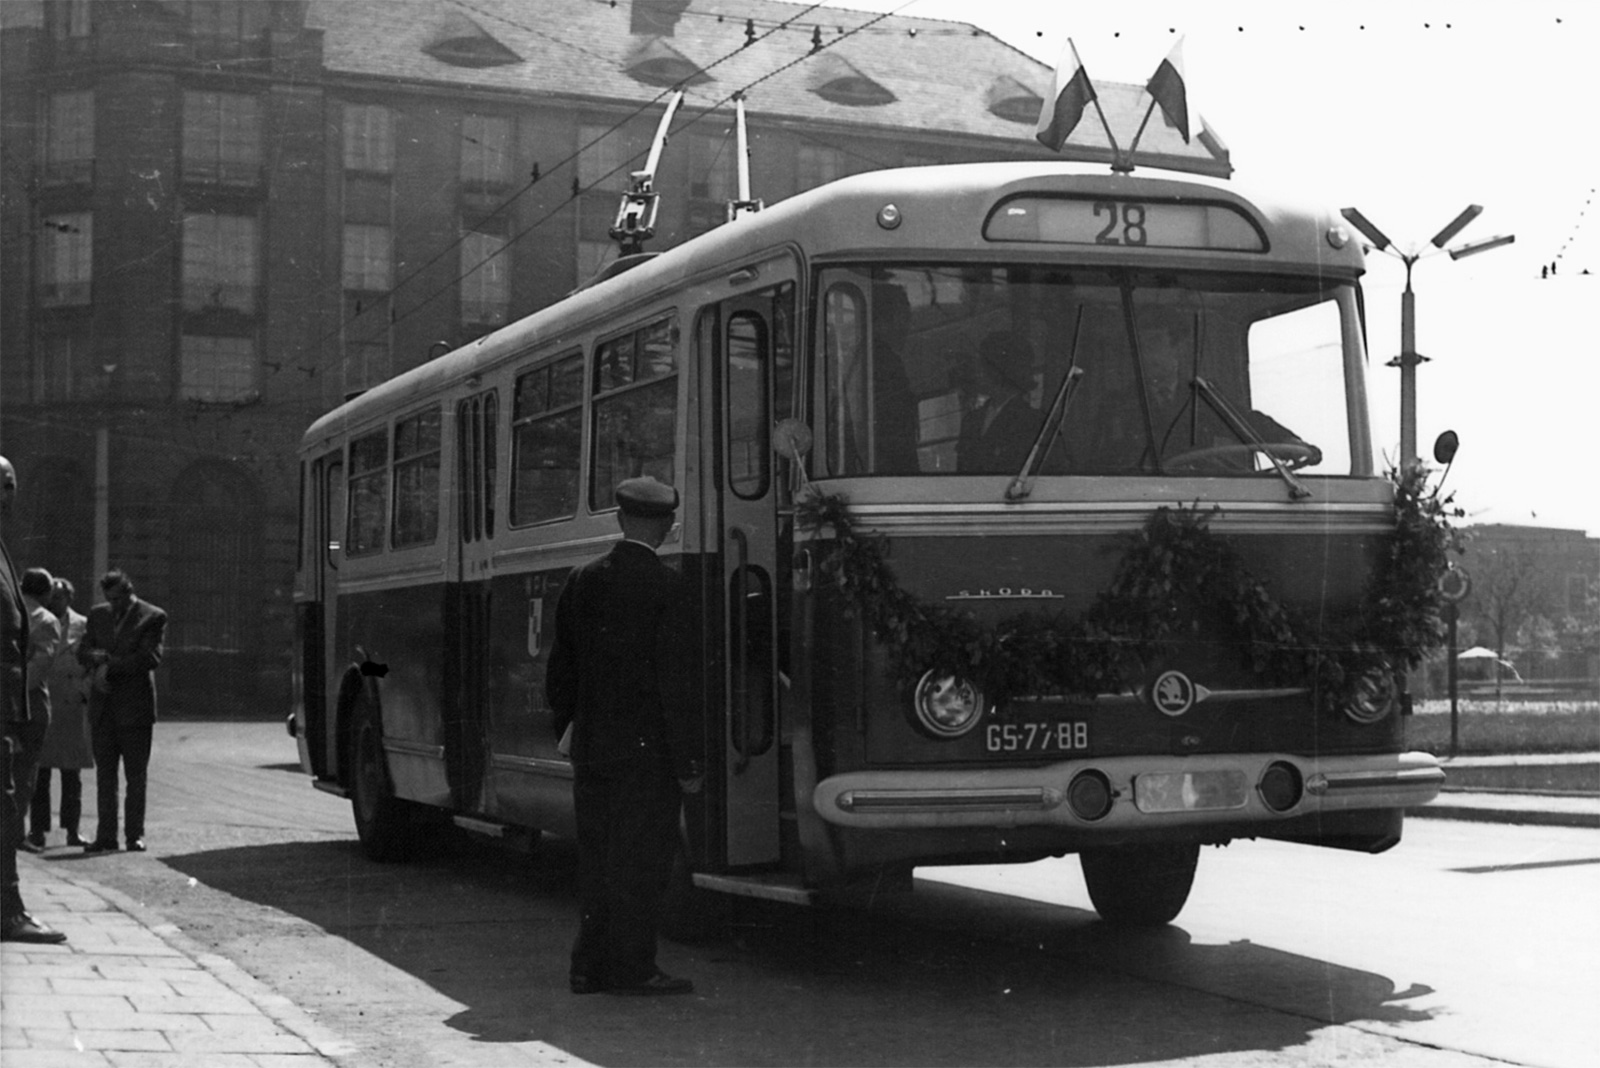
1054,420
1247,434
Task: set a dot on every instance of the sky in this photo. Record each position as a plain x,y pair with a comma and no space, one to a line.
1409,111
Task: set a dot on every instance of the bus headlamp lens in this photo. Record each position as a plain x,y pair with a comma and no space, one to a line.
1373,696
947,706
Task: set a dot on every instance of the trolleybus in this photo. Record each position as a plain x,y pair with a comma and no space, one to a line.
922,421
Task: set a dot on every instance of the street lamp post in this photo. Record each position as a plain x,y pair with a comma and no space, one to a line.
1409,358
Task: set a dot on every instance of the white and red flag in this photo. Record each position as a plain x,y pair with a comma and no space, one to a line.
1167,87
1070,93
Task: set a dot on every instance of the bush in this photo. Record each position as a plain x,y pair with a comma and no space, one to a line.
1507,727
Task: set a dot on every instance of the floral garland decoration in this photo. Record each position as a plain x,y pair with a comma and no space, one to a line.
1172,565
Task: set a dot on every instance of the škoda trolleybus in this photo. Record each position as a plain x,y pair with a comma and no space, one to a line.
1026,509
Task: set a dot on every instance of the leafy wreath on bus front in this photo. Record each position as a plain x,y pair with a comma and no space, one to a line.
1172,563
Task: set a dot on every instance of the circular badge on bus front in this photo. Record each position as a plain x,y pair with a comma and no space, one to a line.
1172,693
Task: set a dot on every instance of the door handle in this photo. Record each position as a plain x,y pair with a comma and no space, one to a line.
741,647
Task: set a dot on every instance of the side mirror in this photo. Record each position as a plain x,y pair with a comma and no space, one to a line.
791,439
1445,446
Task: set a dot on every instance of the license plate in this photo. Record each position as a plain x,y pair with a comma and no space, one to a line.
1190,791
1037,736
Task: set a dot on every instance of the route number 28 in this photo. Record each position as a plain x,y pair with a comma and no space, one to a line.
1124,223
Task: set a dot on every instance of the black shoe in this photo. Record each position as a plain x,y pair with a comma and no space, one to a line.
98,846
74,840
25,928
582,984
658,985
136,845
34,843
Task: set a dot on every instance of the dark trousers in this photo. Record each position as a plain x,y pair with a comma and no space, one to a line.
21,759
627,821
129,744
71,802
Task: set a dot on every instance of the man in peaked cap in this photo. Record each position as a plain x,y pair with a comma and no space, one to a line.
620,680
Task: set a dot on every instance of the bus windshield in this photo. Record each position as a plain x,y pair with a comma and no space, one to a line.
962,369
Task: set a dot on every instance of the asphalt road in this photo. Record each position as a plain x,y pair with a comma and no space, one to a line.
1469,944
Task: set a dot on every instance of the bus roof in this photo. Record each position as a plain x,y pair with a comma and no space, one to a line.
941,209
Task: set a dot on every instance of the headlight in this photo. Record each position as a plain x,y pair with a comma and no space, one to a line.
1373,695
947,706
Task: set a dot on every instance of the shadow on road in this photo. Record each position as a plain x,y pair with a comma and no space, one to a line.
945,976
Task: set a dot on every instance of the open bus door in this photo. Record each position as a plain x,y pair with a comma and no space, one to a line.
467,683
748,345
322,670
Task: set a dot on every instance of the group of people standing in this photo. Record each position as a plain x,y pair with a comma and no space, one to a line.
76,692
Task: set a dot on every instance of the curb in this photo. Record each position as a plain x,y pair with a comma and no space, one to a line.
1479,814
280,1010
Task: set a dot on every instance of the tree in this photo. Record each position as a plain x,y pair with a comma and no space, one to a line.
1514,603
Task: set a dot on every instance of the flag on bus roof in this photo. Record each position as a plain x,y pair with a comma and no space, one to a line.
1167,86
1070,93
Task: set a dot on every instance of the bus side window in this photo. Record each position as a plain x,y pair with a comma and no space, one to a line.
546,435
416,479
368,499
635,410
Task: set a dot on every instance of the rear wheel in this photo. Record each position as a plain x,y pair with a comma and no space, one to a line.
384,823
1140,886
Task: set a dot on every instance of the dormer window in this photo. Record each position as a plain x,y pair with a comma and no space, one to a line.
655,62
836,79
461,42
1009,99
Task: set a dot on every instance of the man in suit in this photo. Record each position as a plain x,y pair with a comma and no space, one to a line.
121,647
620,678
997,433
22,737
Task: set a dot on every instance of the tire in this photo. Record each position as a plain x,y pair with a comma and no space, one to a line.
1140,886
384,823
689,914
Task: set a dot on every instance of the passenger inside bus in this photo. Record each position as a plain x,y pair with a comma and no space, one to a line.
1000,422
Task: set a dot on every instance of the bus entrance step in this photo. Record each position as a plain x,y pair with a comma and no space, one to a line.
487,828
770,886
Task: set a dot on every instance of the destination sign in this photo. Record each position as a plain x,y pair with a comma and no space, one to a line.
1112,223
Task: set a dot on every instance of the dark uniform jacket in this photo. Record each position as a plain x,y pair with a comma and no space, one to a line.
128,691
621,668
13,644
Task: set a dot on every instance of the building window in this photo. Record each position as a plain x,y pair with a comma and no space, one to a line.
635,410
221,138
217,370
368,256
366,363
66,258
54,371
368,138
485,279
69,138
69,19
485,151
713,180
817,165
219,263
369,493
604,159
546,433
416,480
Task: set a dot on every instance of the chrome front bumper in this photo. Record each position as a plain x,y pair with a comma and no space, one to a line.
1037,796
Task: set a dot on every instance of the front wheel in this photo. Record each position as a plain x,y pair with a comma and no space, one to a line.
383,821
1140,886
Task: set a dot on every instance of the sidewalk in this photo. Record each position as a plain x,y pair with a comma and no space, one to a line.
128,989
1550,808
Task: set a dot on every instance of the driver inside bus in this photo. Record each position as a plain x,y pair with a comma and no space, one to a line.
999,428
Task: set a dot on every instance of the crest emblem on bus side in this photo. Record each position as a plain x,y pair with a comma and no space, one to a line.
1172,693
